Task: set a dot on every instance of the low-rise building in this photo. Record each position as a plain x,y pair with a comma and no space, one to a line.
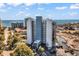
17,25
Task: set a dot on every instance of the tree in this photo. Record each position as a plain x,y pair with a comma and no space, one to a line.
2,37
13,39
2,45
22,50
41,49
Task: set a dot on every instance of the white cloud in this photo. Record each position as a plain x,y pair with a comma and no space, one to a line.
29,4
2,5
14,4
74,6
73,14
38,14
26,8
21,13
50,15
2,10
40,8
17,4
41,1
9,8
61,8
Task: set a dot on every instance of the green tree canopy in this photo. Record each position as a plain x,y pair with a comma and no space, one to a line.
22,50
41,49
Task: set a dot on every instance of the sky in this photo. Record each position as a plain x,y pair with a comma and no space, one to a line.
57,11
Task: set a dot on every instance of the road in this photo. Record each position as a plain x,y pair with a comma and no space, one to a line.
6,35
6,53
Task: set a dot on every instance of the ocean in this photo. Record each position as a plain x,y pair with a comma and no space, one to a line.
8,22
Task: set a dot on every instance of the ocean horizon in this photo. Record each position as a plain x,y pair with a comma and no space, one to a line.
8,22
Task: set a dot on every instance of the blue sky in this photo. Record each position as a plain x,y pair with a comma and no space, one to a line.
15,11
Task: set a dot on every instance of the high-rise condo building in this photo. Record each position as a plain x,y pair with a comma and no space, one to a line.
17,25
54,33
30,30
38,31
44,31
49,31
25,22
38,28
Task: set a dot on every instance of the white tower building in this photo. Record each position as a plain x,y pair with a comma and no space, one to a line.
49,36
30,31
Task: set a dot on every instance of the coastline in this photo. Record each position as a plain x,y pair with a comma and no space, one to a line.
58,22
